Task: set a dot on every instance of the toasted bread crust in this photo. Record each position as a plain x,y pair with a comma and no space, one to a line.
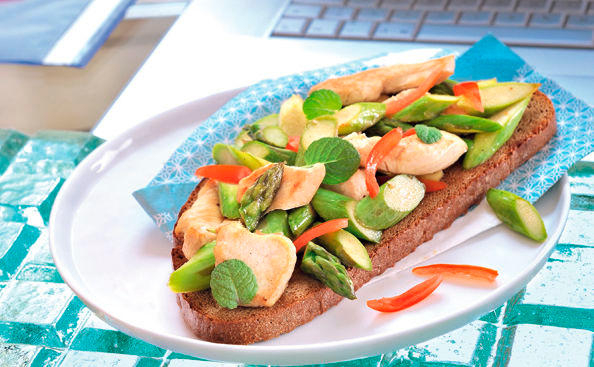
305,298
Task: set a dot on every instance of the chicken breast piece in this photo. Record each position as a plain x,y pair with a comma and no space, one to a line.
354,187
371,85
297,188
201,221
411,155
363,144
271,257
418,158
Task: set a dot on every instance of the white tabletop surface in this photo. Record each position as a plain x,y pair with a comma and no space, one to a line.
201,56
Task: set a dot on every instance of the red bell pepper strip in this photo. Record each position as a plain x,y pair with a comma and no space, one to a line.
396,103
378,153
227,173
431,186
319,230
458,271
409,132
293,143
470,91
407,299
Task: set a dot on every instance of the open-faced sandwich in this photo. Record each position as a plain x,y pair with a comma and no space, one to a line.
311,203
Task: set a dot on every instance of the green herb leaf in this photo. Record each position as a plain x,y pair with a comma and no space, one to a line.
427,134
338,155
233,283
321,102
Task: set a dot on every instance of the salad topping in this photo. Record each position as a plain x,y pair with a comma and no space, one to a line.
306,179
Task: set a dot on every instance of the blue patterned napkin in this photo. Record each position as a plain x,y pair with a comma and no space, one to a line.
488,58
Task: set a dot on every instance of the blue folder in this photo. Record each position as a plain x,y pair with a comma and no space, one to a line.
56,32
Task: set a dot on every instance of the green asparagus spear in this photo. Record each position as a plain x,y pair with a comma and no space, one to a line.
264,122
517,213
498,96
259,196
272,135
275,222
395,200
301,218
385,125
194,275
347,248
227,154
243,137
269,153
332,205
228,200
425,108
359,116
464,124
445,87
326,267
486,144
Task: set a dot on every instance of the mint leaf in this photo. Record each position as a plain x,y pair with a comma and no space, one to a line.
338,155
233,283
427,134
321,102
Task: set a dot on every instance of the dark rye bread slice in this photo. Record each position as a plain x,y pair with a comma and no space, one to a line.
305,298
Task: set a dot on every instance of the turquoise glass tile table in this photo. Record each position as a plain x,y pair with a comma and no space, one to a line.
42,323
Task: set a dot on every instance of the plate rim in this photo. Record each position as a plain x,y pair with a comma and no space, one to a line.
254,353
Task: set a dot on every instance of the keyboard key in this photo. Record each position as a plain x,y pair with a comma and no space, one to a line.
335,12
363,3
580,21
290,27
430,4
321,2
573,7
501,5
511,35
373,14
407,16
322,28
546,20
463,4
395,31
511,19
441,17
396,4
475,17
305,11
538,6
357,29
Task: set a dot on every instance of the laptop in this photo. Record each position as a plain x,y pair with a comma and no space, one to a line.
222,45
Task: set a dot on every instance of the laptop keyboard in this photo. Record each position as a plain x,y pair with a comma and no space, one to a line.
567,23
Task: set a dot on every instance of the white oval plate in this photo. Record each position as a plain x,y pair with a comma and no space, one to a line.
117,261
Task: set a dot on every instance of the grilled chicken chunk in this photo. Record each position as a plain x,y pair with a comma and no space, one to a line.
297,188
271,257
201,221
372,85
354,187
411,155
